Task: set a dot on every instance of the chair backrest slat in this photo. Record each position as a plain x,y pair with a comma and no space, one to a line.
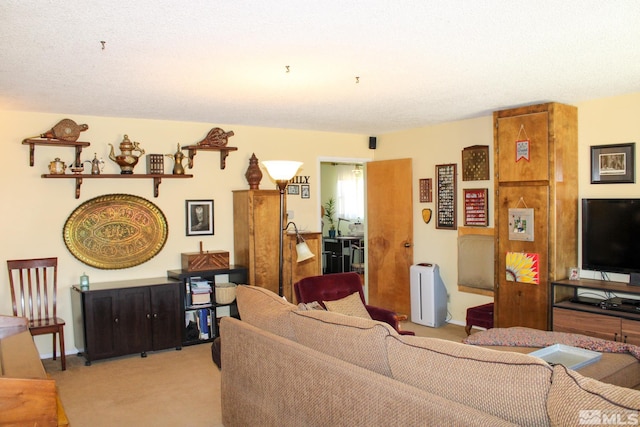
34,281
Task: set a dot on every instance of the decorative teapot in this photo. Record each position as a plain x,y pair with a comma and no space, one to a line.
96,165
127,160
57,167
178,169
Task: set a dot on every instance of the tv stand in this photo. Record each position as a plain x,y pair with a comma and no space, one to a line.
634,279
604,320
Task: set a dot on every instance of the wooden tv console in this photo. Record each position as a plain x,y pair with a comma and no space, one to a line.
27,395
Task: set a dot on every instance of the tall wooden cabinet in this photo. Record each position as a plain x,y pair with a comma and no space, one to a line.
536,166
256,239
293,270
256,235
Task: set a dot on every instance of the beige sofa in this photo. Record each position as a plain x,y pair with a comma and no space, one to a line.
286,367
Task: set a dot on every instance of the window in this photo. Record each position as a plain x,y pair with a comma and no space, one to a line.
350,191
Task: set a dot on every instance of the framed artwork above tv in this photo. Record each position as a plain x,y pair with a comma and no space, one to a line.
613,164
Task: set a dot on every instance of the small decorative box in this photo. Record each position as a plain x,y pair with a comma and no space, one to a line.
210,260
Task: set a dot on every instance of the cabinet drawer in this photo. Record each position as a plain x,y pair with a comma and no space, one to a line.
579,322
631,331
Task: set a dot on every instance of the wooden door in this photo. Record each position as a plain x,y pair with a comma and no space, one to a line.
531,162
165,316
389,233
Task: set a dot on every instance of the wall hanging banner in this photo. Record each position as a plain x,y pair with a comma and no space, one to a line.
522,145
523,267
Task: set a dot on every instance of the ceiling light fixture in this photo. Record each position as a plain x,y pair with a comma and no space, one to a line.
103,43
287,67
357,79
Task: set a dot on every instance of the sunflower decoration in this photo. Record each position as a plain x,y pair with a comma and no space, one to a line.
523,267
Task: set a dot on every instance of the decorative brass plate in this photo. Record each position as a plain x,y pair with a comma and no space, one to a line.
115,231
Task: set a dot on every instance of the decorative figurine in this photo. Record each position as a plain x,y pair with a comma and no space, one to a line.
96,165
65,130
127,161
253,174
216,138
178,169
57,167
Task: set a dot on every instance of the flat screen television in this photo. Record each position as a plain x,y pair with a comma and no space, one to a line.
611,236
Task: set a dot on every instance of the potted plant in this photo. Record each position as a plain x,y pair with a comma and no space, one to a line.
329,212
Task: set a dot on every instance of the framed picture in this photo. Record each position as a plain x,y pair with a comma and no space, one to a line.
306,191
613,164
425,190
476,209
521,224
293,189
446,202
199,217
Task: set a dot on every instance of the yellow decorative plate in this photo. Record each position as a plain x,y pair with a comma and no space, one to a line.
115,231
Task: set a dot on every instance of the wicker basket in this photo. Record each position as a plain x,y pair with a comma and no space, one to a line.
225,293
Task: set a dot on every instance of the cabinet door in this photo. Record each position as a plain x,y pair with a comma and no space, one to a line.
101,321
593,325
631,331
165,316
523,148
519,303
134,320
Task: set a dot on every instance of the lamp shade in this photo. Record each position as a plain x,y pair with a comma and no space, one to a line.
303,251
282,170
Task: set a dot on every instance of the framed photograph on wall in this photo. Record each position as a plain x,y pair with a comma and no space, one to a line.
199,217
293,189
613,164
305,191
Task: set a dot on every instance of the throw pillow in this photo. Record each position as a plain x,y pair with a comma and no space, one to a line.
315,305
350,306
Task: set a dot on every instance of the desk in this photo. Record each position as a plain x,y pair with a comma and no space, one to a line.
337,253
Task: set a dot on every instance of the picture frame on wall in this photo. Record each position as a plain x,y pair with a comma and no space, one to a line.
613,164
293,189
446,201
305,191
199,217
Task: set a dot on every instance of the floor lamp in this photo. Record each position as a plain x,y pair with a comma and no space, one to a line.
281,171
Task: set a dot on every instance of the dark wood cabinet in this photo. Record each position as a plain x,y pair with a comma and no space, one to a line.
132,316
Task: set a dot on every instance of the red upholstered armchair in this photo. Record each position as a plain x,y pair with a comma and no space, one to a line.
331,287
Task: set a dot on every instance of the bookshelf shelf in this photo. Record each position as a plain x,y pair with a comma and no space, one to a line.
201,320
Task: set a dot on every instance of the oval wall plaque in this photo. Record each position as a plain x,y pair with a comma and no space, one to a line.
115,231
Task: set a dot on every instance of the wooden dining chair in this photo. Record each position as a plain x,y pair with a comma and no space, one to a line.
34,286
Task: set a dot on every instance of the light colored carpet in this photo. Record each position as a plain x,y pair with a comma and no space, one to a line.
167,388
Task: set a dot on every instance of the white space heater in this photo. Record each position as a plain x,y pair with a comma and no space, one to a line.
428,295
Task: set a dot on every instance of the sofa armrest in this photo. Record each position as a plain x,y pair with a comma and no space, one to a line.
386,316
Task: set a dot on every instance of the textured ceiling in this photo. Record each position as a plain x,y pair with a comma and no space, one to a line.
224,62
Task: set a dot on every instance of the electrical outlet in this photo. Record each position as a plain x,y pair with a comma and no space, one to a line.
289,215
448,297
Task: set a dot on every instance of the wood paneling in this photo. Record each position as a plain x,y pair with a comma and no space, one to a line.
547,183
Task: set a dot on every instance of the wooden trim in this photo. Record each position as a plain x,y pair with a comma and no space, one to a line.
477,291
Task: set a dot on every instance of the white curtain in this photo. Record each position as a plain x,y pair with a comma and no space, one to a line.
350,192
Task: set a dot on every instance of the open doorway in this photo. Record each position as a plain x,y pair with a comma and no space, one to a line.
342,194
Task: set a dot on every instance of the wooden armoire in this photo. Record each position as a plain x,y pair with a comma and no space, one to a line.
536,167
256,242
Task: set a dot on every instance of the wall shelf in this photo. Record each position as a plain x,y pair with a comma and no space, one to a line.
157,179
54,143
224,152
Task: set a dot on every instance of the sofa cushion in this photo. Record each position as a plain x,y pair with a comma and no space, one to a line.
575,399
266,310
511,386
352,339
350,306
